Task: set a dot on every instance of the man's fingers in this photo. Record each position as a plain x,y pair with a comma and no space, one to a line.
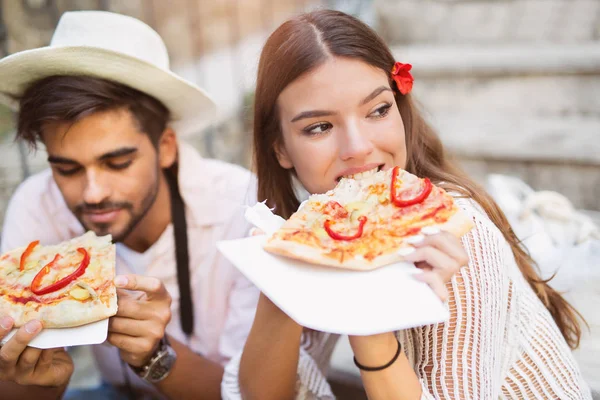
6,325
12,350
130,307
123,342
46,358
132,348
29,359
153,287
135,328
126,295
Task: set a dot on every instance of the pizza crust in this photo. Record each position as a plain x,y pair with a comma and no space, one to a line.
458,224
65,314
314,256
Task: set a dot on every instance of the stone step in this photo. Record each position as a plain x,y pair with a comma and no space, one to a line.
487,21
451,60
514,81
579,183
560,140
559,154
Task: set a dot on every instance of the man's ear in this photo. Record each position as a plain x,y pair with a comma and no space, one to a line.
167,148
282,156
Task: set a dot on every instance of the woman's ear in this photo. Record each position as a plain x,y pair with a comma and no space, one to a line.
167,148
282,156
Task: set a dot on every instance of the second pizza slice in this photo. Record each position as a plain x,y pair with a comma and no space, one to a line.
64,285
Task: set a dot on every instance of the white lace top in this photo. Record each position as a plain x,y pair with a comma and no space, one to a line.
500,342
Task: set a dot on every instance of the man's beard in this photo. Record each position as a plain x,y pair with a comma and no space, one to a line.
134,218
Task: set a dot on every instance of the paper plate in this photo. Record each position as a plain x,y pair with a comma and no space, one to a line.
330,299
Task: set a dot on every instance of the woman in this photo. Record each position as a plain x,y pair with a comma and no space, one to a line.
326,107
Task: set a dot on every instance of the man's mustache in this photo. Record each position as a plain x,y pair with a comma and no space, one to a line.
99,207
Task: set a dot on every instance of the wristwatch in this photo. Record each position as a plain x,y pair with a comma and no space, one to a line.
160,364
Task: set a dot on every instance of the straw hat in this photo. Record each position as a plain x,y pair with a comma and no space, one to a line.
115,47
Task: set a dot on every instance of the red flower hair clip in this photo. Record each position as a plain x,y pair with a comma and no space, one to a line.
401,75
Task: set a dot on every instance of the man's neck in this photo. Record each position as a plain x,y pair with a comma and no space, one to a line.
154,223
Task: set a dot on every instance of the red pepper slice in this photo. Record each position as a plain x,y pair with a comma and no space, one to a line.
335,209
26,254
409,202
337,236
61,283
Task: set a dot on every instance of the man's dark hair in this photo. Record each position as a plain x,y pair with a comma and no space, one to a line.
70,98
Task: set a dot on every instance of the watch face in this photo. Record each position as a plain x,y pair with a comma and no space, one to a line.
162,367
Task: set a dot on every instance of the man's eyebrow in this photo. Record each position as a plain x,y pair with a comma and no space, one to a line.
61,160
312,114
118,153
374,94
112,154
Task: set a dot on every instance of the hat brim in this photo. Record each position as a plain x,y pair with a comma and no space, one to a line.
191,107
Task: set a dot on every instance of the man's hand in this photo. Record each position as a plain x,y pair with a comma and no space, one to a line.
30,366
141,319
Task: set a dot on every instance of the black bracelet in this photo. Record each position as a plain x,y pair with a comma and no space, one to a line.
393,360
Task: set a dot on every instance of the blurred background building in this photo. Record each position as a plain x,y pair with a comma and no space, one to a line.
513,86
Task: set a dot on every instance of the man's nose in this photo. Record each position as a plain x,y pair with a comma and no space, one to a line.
96,189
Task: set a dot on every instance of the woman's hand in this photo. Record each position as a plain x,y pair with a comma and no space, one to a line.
439,254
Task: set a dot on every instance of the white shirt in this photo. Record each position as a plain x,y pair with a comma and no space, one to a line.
139,262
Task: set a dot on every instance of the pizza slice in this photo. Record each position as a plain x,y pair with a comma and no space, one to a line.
362,223
64,285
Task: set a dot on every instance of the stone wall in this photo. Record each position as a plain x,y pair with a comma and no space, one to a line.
488,22
511,85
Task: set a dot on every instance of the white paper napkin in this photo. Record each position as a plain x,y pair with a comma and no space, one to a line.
93,333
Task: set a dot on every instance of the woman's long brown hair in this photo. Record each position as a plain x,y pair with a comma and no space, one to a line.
307,41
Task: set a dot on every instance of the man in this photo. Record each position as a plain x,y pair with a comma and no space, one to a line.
102,100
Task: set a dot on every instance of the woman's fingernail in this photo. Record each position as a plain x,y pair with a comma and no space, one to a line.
415,239
430,230
6,323
404,251
33,326
121,281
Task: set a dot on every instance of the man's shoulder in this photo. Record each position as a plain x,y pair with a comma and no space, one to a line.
37,211
211,178
222,168
32,190
229,175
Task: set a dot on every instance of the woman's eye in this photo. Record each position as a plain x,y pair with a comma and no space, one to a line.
381,111
318,129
